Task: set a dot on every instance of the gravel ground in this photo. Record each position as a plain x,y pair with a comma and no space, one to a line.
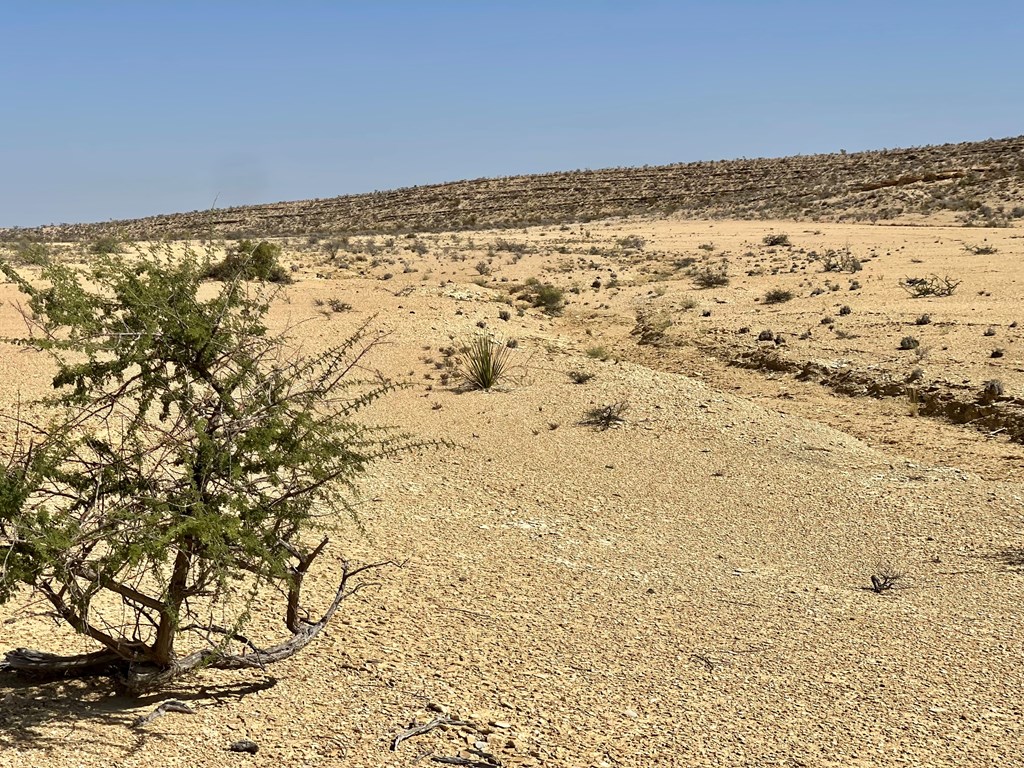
688,588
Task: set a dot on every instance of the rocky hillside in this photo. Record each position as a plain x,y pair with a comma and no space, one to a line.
976,184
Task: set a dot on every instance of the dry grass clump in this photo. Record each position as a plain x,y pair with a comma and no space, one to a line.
933,285
606,416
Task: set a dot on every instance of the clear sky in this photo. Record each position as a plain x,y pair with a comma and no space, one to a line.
121,109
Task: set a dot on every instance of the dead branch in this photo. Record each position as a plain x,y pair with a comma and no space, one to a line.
171,705
419,730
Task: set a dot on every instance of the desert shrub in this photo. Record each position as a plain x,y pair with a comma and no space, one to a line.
31,253
504,314
337,305
933,285
484,361
924,319
580,377
840,261
766,335
605,416
777,296
711,275
846,309
981,250
598,353
991,391
548,297
509,246
887,576
910,342
106,245
483,268
775,239
251,261
187,458
651,326
634,242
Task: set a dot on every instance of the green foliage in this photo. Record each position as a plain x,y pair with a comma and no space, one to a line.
31,253
548,297
106,245
484,361
251,261
711,275
187,454
777,296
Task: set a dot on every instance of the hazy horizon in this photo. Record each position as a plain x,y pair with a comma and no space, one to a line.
118,111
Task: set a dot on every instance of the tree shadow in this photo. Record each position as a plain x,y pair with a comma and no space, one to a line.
90,714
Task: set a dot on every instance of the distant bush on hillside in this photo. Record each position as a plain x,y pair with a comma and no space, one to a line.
251,261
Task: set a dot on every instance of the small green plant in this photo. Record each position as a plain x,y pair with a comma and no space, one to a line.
711,275
484,361
606,416
777,296
598,353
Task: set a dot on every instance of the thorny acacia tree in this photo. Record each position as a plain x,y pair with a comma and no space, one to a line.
186,456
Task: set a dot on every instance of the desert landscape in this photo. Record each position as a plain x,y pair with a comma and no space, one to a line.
748,492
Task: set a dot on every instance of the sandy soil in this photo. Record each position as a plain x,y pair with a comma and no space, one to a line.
689,588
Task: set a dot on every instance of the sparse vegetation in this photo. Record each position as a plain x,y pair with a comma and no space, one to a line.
775,239
580,377
711,275
606,416
777,296
840,261
546,296
909,342
933,285
251,261
484,361
887,577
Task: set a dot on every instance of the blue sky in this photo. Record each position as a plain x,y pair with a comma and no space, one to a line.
115,110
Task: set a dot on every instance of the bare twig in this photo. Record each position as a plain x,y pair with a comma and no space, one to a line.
419,730
171,705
